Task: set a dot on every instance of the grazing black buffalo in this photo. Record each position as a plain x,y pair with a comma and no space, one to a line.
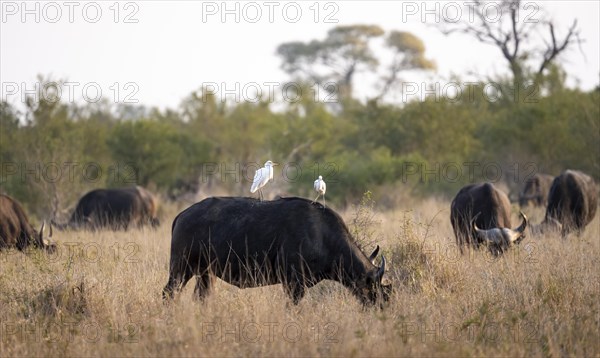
480,215
15,229
535,191
572,201
250,243
114,208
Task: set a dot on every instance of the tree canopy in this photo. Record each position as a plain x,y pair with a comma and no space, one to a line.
347,50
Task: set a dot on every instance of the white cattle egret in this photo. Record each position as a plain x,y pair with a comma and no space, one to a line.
262,177
320,188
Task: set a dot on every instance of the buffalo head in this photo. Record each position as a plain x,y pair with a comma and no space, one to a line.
373,288
49,246
500,239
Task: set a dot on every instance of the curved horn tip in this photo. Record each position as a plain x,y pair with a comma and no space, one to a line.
475,218
473,224
523,225
523,215
42,228
381,270
374,255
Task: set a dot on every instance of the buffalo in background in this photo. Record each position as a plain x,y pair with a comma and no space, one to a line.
250,243
116,209
15,229
572,201
480,215
535,190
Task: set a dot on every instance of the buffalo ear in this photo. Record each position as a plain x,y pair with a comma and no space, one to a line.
374,255
387,289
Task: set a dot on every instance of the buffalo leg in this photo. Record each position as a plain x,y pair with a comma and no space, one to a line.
203,285
176,282
460,241
295,289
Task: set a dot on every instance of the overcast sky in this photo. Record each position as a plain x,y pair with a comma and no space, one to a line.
157,52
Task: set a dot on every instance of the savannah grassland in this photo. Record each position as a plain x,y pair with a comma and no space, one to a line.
100,295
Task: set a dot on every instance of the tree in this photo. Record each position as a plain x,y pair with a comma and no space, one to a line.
343,53
334,62
9,126
51,150
512,32
151,149
408,54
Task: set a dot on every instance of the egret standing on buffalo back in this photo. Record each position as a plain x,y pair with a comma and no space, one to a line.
262,177
320,188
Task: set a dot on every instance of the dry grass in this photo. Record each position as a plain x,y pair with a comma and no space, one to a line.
101,296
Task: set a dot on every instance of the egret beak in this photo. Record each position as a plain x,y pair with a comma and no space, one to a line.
274,164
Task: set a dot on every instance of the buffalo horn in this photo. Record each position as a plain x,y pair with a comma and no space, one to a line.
477,230
374,255
43,242
41,233
381,270
523,225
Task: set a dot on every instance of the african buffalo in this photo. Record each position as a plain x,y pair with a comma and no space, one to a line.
548,225
480,214
535,190
114,208
248,243
572,201
15,229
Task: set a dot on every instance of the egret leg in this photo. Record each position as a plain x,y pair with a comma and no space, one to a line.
324,202
317,198
260,195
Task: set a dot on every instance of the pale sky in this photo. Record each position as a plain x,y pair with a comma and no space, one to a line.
158,52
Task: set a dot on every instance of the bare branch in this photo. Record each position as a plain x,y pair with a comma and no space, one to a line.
512,36
555,49
516,39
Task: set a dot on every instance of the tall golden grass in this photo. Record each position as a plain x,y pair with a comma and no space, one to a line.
100,295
